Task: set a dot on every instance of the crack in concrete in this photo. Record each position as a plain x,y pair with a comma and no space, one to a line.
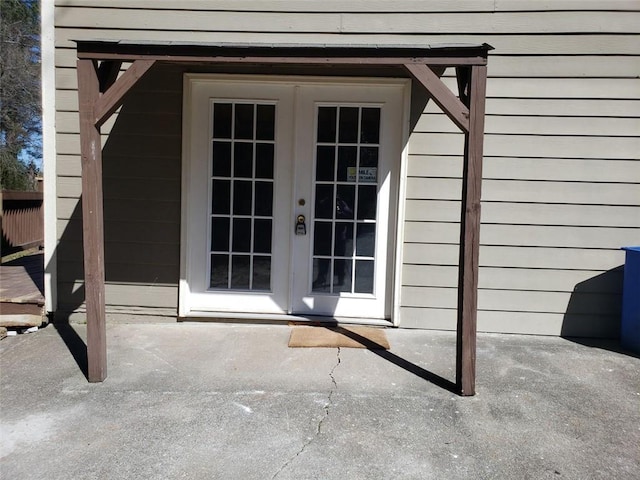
327,408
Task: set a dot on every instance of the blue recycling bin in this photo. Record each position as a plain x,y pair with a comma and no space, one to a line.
630,326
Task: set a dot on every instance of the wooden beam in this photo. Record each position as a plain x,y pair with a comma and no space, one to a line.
446,100
92,220
108,73
470,235
111,100
450,61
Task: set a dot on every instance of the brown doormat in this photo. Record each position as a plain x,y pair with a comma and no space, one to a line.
347,337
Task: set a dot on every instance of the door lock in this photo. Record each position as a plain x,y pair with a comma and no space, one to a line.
301,226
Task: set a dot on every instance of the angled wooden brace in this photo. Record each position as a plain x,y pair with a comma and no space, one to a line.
446,100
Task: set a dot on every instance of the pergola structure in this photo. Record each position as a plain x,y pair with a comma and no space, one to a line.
102,91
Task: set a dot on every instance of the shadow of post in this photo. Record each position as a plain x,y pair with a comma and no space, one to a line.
75,344
410,367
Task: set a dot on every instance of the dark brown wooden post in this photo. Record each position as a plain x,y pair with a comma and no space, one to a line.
470,235
92,220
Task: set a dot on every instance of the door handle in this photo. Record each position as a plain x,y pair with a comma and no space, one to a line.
301,225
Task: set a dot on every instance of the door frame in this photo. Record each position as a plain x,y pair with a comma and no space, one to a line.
396,203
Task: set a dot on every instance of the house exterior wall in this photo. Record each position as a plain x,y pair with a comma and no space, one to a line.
561,188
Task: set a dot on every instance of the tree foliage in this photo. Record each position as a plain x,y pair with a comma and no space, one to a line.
20,111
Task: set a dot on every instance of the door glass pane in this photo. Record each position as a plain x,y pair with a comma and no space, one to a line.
364,276
370,125
368,158
345,201
346,205
348,126
325,164
243,121
265,122
222,114
221,196
220,234
219,276
264,199
242,197
347,164
241,268
365,239
321,267
221,159
264,160
262,236
237,198
343,239
241,235
324,201
243,160
367,202
342,275
261,273
322,238
327,124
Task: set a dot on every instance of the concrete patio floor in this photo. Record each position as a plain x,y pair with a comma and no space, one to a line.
215,401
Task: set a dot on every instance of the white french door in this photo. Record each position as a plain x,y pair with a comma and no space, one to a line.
289,191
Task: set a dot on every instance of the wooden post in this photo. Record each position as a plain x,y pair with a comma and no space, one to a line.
470,235
92,220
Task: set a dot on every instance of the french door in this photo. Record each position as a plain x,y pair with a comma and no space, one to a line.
289,191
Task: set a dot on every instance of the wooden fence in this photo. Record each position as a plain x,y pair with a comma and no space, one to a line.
22,220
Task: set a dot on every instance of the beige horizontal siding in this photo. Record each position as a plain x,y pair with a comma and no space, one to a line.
523,168
125,188
562,171
529,214
543,323
508,44
523,235
295,5
132,295
541,125
522,257
127,252
131,273
135,123
586,193
132,212
122,231
364,5
157,167
375,22
496,278
515,300
593,107
155,146
622,148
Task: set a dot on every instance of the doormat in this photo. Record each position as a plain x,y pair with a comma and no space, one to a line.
333,337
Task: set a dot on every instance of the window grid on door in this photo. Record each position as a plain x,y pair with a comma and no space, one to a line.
241,186
345,198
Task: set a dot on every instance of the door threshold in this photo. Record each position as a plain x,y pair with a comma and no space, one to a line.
271,318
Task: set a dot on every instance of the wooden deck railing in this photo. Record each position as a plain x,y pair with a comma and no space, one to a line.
22,220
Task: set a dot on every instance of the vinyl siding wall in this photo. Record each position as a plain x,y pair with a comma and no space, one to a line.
561,189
